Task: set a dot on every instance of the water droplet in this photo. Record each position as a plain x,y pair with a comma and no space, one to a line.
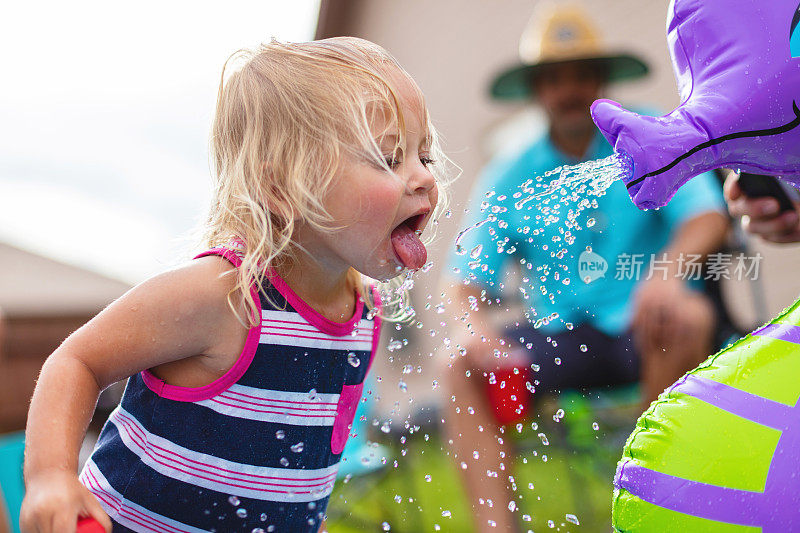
280,434
394,345
386,526
583,347
590,223
512,506
233,500
446,514
353,359
297,448
572,519
595,426
241,513
284,461
460,249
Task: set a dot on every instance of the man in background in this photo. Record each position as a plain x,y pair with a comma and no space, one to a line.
639,320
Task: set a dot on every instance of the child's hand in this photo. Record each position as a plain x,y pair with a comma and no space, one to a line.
55,500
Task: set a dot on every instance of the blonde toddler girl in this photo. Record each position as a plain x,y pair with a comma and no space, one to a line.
245,365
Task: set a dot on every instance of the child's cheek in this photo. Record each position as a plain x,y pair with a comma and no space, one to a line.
434,196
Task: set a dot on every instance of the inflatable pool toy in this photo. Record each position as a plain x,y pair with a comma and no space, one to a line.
89,525
737,64
719,451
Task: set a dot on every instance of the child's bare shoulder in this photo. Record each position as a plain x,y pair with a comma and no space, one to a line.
206,281
179,314
206,277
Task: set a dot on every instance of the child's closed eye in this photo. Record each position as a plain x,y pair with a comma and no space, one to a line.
394,162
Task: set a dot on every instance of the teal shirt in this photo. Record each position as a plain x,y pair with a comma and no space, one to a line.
622,235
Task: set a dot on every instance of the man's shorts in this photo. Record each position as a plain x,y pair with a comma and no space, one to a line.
583,358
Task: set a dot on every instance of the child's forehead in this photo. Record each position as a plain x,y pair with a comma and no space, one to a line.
415,130
411,105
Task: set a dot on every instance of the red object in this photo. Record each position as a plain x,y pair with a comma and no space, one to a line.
89,525
508,395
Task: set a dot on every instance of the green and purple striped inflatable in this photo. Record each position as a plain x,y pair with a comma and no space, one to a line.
719,451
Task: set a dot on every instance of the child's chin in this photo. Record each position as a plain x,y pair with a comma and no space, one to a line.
386,272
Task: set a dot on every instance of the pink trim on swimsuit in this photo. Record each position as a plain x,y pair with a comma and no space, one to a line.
345,413
376,331
195,394
326,325
351,394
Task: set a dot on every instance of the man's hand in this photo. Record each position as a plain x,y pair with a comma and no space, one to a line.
761,216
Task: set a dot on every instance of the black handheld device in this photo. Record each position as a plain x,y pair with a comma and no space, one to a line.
760,186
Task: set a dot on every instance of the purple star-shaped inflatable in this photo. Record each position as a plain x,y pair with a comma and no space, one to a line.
738,73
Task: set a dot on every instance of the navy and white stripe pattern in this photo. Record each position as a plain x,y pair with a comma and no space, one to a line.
275,406
258,448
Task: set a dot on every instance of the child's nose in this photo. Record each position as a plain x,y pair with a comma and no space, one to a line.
421,180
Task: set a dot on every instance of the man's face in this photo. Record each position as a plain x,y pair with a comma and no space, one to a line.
566,91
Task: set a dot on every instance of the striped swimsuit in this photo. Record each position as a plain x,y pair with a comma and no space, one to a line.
255,451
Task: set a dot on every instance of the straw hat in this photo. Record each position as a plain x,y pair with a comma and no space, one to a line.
559,34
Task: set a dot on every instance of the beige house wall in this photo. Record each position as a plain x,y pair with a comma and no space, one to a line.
453,48
42,301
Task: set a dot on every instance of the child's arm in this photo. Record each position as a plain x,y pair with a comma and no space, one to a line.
177,315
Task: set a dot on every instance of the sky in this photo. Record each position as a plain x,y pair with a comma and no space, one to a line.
105,112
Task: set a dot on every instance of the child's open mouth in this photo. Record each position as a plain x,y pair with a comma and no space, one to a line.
406,243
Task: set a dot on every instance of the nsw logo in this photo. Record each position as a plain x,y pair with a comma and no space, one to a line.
591,266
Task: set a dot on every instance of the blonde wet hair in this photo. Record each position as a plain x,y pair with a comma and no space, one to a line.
286,115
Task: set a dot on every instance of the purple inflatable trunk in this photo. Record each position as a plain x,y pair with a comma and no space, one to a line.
739,79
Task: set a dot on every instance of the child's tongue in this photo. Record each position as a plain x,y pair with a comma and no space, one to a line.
408,248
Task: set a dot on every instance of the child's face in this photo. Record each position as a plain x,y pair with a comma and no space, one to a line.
382,213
